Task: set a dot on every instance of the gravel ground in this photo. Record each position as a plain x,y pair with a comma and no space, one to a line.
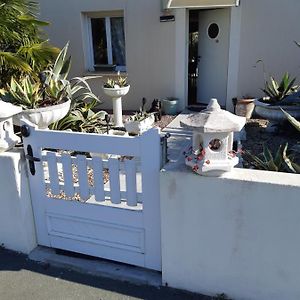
165,119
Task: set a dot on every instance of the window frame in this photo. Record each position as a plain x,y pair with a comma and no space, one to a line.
90,60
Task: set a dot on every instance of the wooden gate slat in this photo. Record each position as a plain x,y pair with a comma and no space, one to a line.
130,169
68,174
114,180
98,179
53,173
83,177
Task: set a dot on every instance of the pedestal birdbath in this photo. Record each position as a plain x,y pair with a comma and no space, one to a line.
8,139
116,94
212,153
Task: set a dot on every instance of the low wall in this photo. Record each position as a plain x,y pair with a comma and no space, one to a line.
17,230
238,234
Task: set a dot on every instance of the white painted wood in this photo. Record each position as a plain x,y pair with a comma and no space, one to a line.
84,191
131,182
92,142
98,179
53,173
114,180
150,166
68,174
104,225
37,188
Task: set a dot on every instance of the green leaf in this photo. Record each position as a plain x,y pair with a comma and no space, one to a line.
292,120
60,61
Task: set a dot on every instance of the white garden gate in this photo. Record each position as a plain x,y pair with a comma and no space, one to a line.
105,204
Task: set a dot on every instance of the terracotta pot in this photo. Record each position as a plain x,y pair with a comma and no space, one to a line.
245,107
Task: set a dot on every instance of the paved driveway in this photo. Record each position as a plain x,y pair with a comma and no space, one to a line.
21,278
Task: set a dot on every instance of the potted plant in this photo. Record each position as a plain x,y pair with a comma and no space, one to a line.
279,94
47,99
170,105
140,121
116,89
244,106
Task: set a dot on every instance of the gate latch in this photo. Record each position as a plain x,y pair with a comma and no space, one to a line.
31,160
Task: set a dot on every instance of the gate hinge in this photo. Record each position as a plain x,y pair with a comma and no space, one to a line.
31,160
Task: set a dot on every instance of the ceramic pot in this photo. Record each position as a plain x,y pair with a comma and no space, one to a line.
44,116
170,106
138,127
274,113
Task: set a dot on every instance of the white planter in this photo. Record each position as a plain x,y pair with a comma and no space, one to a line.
138,127
44,116
116,94
274,113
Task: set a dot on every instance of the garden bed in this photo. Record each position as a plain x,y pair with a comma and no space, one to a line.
258,135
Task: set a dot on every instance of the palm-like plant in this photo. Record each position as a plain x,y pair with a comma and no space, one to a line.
22,47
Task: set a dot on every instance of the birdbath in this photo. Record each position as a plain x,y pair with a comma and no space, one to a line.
212,153
8,139
116,94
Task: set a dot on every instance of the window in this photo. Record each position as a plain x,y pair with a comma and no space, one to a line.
106,39
213,31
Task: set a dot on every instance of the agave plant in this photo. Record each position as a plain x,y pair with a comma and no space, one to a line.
82,118
120,82
280,162
292,120
26,94
51,88
276,91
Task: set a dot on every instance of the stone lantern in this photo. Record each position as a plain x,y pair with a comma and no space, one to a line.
213,128
7,137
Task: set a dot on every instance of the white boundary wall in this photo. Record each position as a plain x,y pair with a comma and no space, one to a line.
237,235
17,231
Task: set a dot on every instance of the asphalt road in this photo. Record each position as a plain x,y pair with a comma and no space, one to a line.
21,278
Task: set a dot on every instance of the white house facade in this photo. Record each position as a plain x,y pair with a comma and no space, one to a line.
193,50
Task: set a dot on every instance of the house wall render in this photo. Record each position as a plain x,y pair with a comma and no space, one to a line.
156,53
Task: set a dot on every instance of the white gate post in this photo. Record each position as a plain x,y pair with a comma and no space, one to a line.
150,167
36,188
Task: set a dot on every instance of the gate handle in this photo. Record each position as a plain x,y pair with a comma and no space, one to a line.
31,159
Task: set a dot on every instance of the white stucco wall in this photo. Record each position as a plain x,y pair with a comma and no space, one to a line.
236,235
17,231
150,45
156,53
268,31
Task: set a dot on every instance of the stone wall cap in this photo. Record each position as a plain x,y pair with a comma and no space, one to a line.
214,119
8,110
